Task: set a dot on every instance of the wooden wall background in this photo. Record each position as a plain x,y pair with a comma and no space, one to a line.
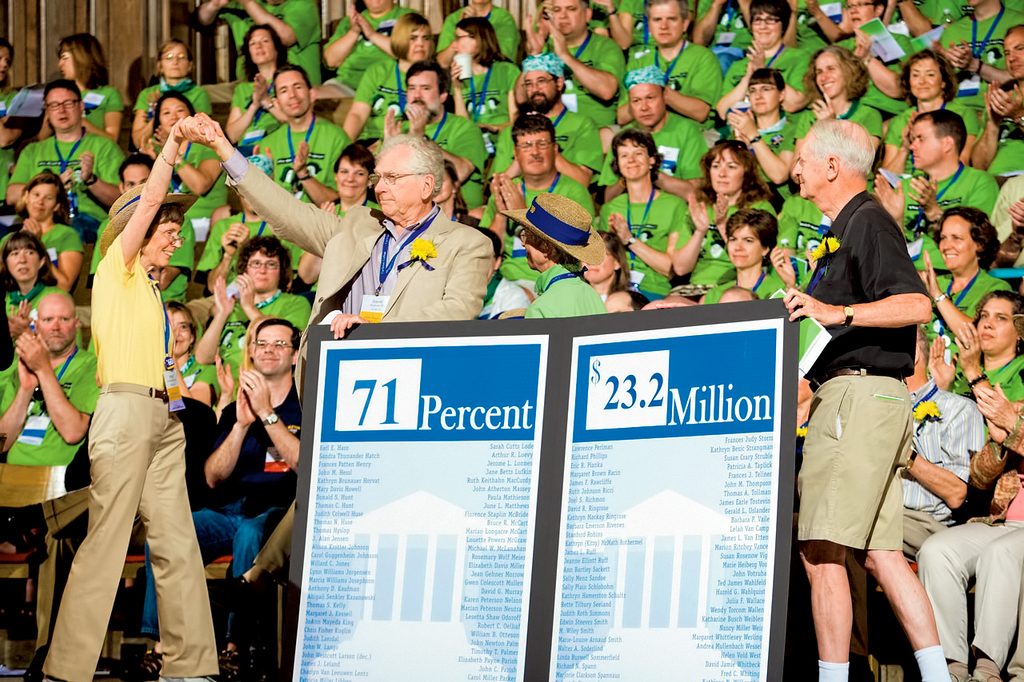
131,30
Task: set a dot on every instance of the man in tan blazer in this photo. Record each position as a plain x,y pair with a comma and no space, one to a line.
406,262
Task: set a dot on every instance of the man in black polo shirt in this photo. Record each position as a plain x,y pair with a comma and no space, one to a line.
866,292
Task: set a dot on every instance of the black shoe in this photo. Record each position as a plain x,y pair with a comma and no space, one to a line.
34,671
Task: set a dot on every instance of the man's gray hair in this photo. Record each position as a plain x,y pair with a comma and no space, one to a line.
684,6
846,140
427,157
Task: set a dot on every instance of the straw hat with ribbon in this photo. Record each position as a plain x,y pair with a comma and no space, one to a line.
124,208
564,223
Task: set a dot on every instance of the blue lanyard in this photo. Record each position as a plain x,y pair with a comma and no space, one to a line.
671,64
478,105
74,148
643,221
401,92
291,145
64,367
583,46
558,176
437,130
263,225
386,266
978,50
963,292
168,362
558,119
759,281
775,56
926,398
647,28
730,12
559,278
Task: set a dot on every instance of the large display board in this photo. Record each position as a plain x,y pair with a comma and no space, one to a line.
595,498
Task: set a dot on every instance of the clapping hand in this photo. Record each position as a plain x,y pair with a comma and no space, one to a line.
783,267
254,386
959,55
19,321
225,379
621,228
235,235
699,214
928,276
995,407
88,162
925,191
892,199
822,108
942,372
970,349
743,124
301,158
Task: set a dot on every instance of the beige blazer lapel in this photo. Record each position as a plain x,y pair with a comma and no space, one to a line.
436,233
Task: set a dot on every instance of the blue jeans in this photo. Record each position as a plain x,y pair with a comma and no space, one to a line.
219,532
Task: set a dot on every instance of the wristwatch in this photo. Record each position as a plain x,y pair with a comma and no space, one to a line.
91,181
630,243
848,311
270,419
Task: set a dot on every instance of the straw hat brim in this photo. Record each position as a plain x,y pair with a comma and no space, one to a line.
591,253
124,208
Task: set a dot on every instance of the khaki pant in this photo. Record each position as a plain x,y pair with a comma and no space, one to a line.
136,452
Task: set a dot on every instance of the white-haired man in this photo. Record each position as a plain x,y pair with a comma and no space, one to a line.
866,291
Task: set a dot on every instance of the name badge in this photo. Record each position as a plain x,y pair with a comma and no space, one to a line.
669,158
3,109
833,10
373,307
174,401
518,248
93,100
635,278
716,251
190,380
52,253
914,248
251,137
274,463
569,100
725,38
34,430
970,86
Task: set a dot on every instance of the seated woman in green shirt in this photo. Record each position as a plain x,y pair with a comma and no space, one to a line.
731,182
80,58
383,85
26,276
198,381
929,83
751,236
174,70
968,243
611,275
835,84
254,112
482,96
44,207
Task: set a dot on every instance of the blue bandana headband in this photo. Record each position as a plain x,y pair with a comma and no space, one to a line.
545,61
648,75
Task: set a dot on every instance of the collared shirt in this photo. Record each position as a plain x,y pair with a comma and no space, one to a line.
561,295
947,443
871,264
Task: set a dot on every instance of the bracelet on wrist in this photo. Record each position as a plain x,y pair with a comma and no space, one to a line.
754,140
913,458
940,298
974,382
302,178
164,159
91,181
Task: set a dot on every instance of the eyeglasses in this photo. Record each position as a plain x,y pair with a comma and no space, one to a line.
172,237
171,57
538,82
538,144
765,19
67,105
388,178
263,265
272,345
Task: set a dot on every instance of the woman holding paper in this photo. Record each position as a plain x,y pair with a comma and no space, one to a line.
929,83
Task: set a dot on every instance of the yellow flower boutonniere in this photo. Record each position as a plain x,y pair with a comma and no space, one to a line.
801,432
421,251
827,247
927,411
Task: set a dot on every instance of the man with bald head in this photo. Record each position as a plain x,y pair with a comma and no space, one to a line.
865,291
46,411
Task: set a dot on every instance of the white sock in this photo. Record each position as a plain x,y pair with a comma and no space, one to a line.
833,672
932,664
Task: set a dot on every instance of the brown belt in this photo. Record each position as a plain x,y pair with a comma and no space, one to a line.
855,371
137,389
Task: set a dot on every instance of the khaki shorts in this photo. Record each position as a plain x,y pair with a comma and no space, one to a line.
858,437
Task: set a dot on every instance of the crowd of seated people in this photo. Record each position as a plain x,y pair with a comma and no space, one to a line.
675,124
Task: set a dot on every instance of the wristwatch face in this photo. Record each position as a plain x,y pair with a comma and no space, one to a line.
271,418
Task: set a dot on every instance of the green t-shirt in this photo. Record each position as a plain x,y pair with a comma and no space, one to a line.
79,383
326,142
942,11
381,88
966,301
213,252
6,153
1009,156
780,137
898,123
869,117
668,213
365,53
193,372
195,94
34,297
807,35
732,30
768,284
569,296
514,265
290,307
504,26
695,72
60,239
973,187
99,102
44,155
457,136
303,16
263,123
681,144
713,264
182,258
793,62
990,52
1010,377
603,54
486,94
577,136
874,97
